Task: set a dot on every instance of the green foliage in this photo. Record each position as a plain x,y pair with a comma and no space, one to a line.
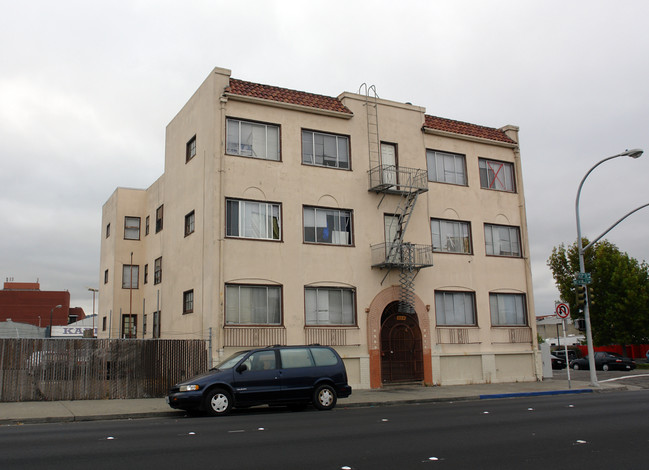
618,295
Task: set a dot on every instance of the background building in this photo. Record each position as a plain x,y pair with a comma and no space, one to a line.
25,302
286,217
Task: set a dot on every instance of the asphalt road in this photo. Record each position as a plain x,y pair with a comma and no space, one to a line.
633,378
594,431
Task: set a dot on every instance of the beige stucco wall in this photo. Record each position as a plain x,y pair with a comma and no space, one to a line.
205,260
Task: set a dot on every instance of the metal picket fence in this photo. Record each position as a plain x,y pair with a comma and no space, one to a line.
86,369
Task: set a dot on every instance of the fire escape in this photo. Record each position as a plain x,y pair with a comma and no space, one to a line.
407,184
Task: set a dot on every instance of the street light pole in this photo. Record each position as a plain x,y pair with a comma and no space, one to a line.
51,315
633,153
94,291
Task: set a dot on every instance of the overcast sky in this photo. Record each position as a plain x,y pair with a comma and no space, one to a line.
87,88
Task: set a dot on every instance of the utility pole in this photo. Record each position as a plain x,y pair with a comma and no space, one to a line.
94,291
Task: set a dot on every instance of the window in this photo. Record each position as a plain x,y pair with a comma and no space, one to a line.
502,240
130,275
146,226
107,230
106,277
188,301
103,324
158,218
252,305
129,326
292,358
331,226
445,167
146,274
455,308
325,150
329,306
131,228
157,271
143,326
261,360
251,139
507,309
191,149
189,223
156,325
496,175
250,219
451,236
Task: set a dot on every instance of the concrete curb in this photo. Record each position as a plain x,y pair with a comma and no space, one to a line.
72,416
81,418
535,394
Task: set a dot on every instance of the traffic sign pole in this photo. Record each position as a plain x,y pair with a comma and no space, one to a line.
563,311
565,347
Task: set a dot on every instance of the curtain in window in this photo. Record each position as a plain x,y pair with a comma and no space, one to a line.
327,306
309,224
502,241
325,149
507,309
253,305
252,139
232,137
343,152
454,308
327,226
450,236
307,148
253,218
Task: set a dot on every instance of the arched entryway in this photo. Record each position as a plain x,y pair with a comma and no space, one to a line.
379,314
401,346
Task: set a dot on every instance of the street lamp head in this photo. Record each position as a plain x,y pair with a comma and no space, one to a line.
633,153
59,306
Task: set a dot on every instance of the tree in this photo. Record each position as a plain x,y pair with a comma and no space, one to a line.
618,295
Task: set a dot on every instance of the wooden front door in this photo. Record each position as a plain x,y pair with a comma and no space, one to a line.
401,349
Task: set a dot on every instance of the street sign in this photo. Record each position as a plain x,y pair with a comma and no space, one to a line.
562,310
583,279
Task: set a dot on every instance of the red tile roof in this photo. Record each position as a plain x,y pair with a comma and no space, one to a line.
284,95
464,128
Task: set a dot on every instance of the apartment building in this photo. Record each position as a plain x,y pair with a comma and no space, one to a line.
286,217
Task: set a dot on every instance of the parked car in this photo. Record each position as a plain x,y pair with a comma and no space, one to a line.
277,375
572,354
605,360
557,363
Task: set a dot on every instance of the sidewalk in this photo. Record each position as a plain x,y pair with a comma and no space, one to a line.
87,410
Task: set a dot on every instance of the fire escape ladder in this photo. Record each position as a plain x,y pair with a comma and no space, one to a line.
403,212
372,110
408,183
404,253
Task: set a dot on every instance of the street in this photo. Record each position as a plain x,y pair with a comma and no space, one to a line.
633,378
595,431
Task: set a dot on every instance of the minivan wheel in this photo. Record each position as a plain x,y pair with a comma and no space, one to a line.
324,397
218,402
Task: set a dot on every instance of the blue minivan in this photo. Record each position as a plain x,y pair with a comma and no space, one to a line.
277,375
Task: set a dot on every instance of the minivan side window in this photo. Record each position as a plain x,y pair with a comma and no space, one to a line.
324,357
295,357
261,360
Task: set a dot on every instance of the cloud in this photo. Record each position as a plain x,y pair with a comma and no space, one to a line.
88,88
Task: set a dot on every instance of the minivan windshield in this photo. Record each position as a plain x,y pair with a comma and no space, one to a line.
231,361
